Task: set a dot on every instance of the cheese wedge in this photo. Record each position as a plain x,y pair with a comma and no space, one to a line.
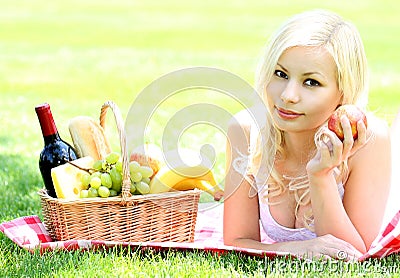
67,178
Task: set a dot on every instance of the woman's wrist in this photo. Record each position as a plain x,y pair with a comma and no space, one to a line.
321,179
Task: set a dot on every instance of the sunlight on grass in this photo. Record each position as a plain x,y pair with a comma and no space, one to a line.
78,54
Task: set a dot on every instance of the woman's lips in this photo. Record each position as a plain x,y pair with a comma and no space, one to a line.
288,114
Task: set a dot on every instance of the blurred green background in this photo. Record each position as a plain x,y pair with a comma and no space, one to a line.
78,54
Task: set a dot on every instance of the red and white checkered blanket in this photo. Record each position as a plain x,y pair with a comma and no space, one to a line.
29,233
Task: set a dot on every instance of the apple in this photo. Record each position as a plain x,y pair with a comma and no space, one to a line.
353,113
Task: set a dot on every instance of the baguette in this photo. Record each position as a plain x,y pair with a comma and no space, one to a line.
88,138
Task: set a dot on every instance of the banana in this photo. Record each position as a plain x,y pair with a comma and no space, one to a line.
191,183
166,178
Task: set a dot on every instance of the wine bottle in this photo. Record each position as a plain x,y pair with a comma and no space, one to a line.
56,151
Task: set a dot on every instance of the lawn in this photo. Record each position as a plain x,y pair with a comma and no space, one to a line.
75,55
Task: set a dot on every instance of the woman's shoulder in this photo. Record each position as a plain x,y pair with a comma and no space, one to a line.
370,166
378,140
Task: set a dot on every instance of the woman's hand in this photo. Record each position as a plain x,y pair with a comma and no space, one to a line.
334,214
331,151
325,247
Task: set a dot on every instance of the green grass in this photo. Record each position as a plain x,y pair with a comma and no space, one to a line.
78,54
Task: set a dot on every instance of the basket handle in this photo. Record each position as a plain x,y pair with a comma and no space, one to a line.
126,180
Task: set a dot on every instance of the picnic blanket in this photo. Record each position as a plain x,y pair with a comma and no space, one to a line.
30,233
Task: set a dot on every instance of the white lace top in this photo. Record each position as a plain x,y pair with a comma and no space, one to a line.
280,233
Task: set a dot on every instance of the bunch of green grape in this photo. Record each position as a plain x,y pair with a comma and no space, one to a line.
105,178
140,178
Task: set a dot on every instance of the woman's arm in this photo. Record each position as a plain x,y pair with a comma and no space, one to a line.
368,186
393,205
241,216
358,218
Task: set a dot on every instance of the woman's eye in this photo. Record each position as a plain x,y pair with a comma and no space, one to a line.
281,74
312,83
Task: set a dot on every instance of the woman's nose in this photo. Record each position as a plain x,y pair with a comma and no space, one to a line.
291,92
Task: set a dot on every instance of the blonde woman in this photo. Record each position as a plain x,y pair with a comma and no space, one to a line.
312,197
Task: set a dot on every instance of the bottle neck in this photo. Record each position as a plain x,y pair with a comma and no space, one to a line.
51,138
47,124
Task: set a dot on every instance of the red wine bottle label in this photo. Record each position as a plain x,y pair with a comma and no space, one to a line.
46,119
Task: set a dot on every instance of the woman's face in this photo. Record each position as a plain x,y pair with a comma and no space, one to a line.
303,90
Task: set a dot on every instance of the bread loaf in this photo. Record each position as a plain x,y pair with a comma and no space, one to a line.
88,138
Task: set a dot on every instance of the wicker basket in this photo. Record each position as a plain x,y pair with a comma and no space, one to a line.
162,217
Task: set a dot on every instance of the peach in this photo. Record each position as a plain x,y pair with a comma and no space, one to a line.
353,113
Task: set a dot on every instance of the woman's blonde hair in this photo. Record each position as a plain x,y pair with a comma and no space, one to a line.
342,40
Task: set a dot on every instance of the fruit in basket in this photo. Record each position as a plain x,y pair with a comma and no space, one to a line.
190,183
146,172
103,191
84,193
136,176
87,178
148,155
67,178
105,178
92,193
112,158
167,178
353,113
116,179
142,187
194,172
113,193
140,178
